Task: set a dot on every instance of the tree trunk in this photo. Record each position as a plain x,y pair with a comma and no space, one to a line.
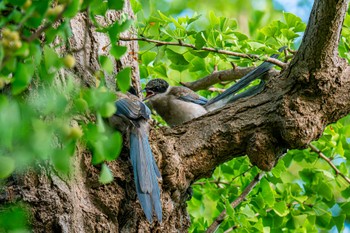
291,112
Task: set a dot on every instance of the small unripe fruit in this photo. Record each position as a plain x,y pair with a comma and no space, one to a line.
17,44
6,32
14,35
75,132
27,4
5,42
55,10
69,61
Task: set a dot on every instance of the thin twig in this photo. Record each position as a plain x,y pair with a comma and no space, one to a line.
217,182
215,89
325,158
221,51
217,77
37,33
231,229
236,202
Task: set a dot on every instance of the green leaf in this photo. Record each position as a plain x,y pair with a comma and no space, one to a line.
320,208
72,8
346,192
114,145
39,13
230,211
213,19
106,64
7,166
52,61
106,175
299,220
22,78
14,218
61,159
118,51
289,34
198,64
23,51
201,54
258,202
35,53
136,6
125,25
107,109
339,222
148,57
247,211
200,40
325,190
123,79
116,4
324,220
267,192
161,70
240,36
193,19
164,17
281,209
98,7
98,155
11,64
176,58
291,19
339,149
256,45
278,169
269,31
18,2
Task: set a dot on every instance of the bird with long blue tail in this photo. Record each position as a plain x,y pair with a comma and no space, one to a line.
179,104
131,118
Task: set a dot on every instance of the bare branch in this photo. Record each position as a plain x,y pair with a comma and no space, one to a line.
236,202
325,158
217,182
214,89
221,51
220,76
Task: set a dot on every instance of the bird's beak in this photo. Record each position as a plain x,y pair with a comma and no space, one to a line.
149,94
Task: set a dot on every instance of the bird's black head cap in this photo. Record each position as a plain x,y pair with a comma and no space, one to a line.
156,86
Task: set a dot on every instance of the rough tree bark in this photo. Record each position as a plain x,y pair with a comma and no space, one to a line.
292,111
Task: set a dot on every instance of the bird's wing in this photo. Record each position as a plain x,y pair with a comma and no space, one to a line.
132,109
187,95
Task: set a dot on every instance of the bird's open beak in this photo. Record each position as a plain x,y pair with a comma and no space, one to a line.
149,94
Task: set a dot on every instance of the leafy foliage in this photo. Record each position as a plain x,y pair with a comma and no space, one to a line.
38,114
43,118
302,193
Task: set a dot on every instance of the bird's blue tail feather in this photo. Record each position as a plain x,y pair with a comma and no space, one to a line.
145,174
244,81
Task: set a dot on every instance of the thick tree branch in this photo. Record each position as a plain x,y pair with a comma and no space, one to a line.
287,114
319,47
221,51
